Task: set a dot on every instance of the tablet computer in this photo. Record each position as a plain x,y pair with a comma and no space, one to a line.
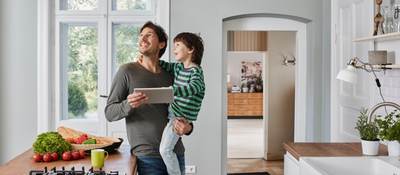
157,95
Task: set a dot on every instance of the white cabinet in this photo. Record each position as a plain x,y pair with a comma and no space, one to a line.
291,165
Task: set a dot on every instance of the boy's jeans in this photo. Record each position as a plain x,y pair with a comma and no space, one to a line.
168,142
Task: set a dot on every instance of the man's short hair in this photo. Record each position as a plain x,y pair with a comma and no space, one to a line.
162,36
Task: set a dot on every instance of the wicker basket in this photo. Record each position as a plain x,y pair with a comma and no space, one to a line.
101,142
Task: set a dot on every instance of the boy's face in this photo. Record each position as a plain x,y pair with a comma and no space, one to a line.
148,42
182,53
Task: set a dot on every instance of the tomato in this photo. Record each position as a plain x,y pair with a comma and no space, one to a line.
66,156
37,157
75,155
82,153
70,140
54,156
47,157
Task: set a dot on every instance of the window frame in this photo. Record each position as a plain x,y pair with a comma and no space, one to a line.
61,109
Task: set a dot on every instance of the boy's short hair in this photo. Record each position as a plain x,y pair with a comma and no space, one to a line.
192,41
162,36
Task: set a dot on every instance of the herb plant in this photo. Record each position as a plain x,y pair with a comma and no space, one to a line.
368,131
389,126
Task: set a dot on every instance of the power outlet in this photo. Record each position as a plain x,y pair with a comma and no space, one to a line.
190,169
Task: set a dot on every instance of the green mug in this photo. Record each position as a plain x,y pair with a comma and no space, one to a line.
98,156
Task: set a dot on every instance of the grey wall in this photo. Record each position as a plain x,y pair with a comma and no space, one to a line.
2,16
204,147
18,118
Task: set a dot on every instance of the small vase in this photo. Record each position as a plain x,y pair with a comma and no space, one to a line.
393,148
370,148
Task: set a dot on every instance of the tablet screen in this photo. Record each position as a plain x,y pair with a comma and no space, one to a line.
157,95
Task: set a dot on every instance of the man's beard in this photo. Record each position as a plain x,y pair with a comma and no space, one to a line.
148,52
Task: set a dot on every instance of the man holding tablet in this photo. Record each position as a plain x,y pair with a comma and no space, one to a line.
145,121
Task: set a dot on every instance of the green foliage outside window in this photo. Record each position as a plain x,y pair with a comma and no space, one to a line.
82,70
77,104
126,38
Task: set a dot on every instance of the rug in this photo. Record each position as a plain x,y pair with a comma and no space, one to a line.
250,173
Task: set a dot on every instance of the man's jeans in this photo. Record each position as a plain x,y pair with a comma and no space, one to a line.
155,165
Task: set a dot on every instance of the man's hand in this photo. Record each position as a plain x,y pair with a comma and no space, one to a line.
136,99
182,126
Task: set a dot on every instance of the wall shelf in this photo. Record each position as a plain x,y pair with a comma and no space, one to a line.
384,37
388,66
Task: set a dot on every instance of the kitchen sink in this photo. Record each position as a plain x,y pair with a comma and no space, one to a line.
363,165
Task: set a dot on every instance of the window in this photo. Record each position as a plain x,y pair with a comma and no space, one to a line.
79,69
92,38
78,5
124,37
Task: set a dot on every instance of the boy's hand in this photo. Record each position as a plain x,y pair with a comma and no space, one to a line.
136,99
182,126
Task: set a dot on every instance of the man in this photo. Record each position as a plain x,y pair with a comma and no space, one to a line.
145,122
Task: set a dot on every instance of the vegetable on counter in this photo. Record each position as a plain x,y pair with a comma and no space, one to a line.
90,141
50,142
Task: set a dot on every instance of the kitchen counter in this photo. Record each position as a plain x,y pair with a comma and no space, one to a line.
121,161
327,149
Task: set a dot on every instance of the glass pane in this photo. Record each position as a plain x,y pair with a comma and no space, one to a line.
80,70
125,39
141,5
78,4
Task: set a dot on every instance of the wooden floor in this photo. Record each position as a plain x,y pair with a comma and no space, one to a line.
255,165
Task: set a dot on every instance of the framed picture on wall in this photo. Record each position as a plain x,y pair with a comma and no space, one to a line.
251,76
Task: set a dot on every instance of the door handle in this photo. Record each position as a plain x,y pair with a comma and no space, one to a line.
104,96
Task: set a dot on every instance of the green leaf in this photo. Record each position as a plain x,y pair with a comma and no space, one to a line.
367,131
50,142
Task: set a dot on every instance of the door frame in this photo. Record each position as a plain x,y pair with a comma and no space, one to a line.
275,22
344,108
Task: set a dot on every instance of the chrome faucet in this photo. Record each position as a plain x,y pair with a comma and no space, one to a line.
377,106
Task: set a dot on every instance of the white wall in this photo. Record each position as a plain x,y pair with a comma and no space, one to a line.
390,80
17,77
234,63
204,146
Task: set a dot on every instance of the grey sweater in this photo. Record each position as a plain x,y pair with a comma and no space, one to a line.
144,124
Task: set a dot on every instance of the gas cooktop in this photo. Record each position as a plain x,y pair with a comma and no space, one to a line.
72,171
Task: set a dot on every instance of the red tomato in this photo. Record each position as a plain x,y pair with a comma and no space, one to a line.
77,140
75,155
37,157
66,156
47,157
82,153
70,140
54,156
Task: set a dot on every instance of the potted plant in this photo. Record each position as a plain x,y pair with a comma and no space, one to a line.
389,130
368,133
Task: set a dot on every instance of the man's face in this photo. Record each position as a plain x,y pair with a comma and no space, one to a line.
149,43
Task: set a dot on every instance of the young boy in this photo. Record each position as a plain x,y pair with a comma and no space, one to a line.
188,92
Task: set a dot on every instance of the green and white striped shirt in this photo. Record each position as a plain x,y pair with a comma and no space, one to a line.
188,89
